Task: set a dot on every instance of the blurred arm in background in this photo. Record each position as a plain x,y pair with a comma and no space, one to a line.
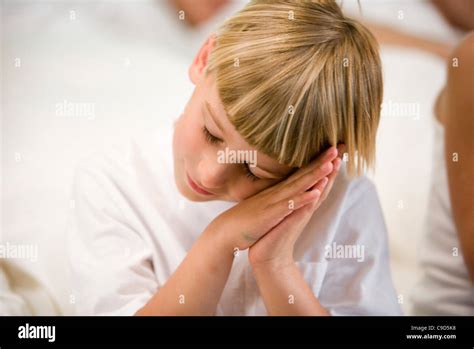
197,12
458,13
389,36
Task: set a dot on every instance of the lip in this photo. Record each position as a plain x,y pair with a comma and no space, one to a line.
196,187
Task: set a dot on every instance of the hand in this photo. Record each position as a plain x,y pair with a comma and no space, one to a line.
275,249
245,223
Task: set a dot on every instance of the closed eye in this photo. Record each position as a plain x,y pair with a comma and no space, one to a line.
210,137
249,173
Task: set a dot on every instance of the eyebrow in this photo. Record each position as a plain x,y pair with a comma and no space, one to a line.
217,122
277,175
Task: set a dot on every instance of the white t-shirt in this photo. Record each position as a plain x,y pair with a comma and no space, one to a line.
132,228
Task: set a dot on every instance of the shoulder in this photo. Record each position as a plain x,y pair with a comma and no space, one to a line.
106,163
456,105
99,183
127,159
355,190
351,214
461,71
113,173
464,52
352,207
359,216
126,174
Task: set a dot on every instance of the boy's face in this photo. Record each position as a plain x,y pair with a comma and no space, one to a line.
209,153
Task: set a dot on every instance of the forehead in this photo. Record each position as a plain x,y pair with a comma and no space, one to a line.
232,138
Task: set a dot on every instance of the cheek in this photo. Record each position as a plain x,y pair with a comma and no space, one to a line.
187,138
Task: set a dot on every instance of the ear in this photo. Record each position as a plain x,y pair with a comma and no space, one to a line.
196,70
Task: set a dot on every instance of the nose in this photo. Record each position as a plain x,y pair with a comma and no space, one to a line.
212,174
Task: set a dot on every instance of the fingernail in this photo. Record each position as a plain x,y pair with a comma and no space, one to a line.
331,151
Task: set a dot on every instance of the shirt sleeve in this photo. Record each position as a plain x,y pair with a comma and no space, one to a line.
111,263
11,303
358,279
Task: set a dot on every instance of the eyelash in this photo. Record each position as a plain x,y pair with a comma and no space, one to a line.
249,173
214,140
209,137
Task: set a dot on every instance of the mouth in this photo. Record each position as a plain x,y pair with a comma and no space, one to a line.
196,187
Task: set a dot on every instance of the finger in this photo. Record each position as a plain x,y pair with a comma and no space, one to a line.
327,156
274,192
302,195
321,184
336,164
331,178
299,217
305,183
302,180
311,196
285,207
306,197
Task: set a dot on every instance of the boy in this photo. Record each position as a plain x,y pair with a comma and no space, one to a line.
286,81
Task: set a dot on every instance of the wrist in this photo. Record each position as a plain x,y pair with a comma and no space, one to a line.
221,239
274,267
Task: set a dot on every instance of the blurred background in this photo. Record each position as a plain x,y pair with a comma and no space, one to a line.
77,76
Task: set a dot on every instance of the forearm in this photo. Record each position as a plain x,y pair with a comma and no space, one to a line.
196,286
285,292
388,36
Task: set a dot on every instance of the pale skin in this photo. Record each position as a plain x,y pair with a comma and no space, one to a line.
271,213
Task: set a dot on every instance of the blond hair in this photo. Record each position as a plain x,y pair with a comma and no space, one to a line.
296,77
